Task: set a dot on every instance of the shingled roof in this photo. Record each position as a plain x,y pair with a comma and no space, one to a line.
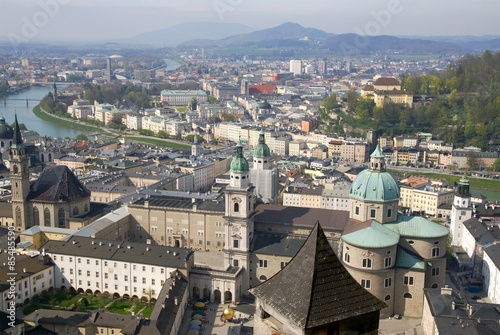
57,183
315,289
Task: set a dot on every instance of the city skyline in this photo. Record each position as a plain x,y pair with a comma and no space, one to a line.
78,20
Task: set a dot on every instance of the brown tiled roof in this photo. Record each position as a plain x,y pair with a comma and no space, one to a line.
57,183
393,91
386,81
315,289
368,88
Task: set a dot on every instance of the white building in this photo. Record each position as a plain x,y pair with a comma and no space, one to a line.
134,121
262,175
296,67
182,97
461,211
32,276
119,268
491,272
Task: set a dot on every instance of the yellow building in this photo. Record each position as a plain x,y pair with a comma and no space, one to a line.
401,97
36,236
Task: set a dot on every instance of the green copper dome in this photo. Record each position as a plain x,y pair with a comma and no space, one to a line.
377,186
239,164
261,150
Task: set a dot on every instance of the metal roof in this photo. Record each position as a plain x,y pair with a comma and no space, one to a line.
373,235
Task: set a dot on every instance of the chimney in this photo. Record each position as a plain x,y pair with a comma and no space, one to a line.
148,248
453,305
148,241
446,290
24,270
176,299
36,320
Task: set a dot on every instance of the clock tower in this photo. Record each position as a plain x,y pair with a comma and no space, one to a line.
460,211
239,216
20,181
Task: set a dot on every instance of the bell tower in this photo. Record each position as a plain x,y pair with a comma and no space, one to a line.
20,182
239,219
460,211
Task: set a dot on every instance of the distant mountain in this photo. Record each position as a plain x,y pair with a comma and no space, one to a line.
284,31
469,43
174,35
352,44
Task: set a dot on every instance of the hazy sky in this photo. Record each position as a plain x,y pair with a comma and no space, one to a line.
108,19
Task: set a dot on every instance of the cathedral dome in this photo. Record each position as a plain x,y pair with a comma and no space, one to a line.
375,183
6,131
239,164
261,150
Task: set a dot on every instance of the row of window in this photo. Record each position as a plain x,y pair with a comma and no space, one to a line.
106,276
115,264
373,212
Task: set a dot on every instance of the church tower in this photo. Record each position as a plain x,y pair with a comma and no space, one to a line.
195,148
262,175
20,182
460,211
239,221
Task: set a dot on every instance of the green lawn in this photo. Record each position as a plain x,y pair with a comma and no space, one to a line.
63,123
147,312
181,109
484,184
158,142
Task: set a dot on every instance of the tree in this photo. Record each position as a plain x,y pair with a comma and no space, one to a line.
22,126
471,160
229,117
213,100
190,138
194,103
81,137
496,165
330,102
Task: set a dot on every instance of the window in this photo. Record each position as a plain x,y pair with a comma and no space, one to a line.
61,218
388,262
155,229
347,258
387,297
263,277
389,212
162,270
143,268
407,296
97,274
236,243
372,213
70,271
263,263
236,207
283,264
36,217
408,280
434,285
116,276
46,217
88,273
105,263
143,280
435,272
435,252
235,262
105,275
366,283
152,282
97,263
79,272
170,230
88,261
388,282
367,263
357,210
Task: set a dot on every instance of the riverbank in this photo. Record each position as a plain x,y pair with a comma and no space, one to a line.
40,113
479,184
19,90
158,142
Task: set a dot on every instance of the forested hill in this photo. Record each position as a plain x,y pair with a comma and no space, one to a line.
465,108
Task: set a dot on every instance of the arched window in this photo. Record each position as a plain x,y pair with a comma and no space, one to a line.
36,217
75,211
408,296
263,277
43,158
236,207
50,157
60,218
434,285
387,297
15,169
1,144
46,217
18,215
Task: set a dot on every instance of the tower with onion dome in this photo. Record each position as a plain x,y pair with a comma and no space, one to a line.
239,218
262,175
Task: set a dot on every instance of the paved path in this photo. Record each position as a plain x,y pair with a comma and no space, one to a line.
214,326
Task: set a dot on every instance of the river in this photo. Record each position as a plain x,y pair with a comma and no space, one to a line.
25,113
171,65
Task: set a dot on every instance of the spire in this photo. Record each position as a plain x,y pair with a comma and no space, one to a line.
18,140
239,164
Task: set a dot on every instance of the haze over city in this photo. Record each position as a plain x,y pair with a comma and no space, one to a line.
92,20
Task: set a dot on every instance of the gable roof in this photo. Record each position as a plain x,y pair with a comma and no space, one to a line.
315,289
56,183
386,81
